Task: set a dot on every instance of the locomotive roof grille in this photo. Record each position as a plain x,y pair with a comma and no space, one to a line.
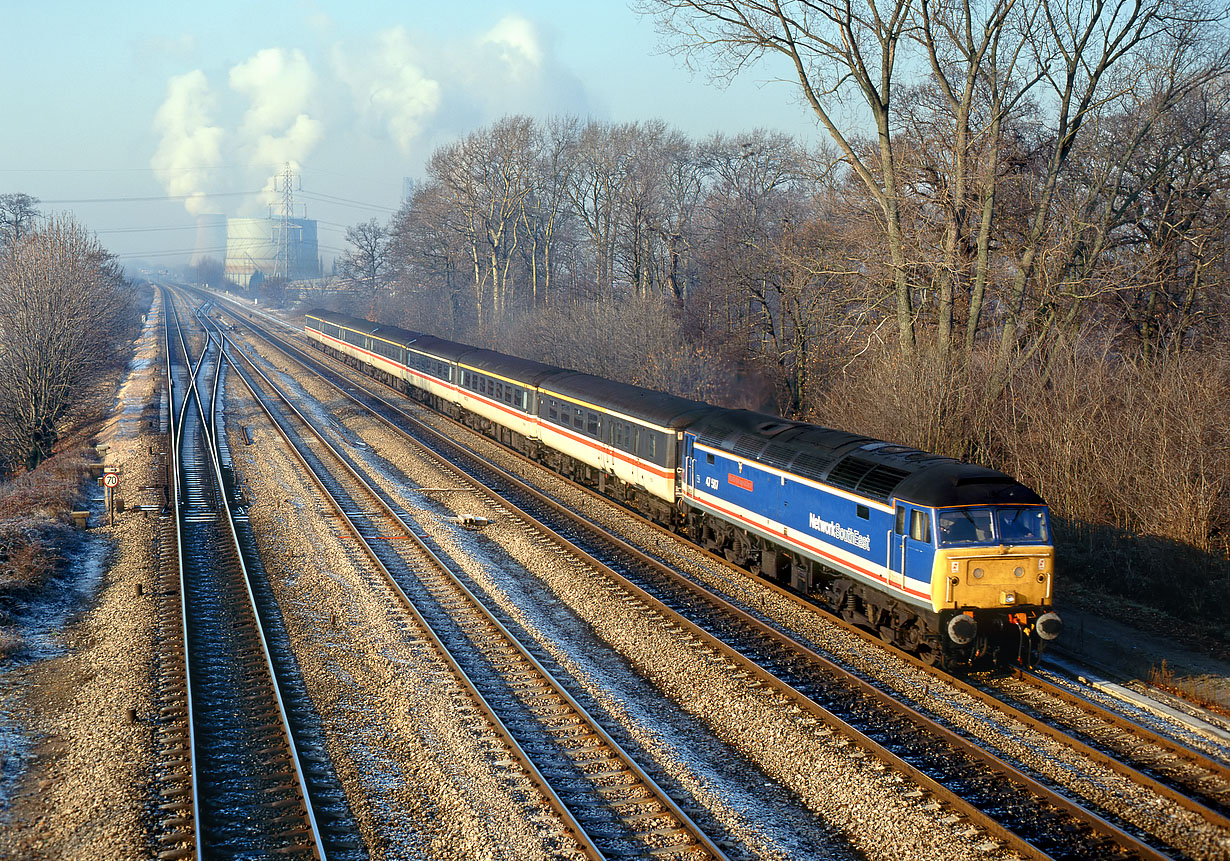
812,466
748,445
779,454
881,482
849,472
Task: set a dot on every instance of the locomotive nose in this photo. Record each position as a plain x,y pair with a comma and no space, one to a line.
1049,625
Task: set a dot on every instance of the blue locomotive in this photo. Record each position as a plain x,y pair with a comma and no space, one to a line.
948,560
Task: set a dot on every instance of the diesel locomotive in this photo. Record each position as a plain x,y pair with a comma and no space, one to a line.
948,560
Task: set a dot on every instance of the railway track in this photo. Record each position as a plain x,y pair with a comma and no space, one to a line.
609,805
250,778
1128,839
1192,779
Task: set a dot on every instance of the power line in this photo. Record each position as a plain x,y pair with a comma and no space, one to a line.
328,198
144,229
156,199
182,251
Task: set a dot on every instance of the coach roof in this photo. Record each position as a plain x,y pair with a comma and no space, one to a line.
525,371
646,404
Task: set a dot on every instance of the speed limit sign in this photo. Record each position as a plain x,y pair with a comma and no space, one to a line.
111,479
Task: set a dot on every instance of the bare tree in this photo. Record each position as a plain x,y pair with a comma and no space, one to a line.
366,261
17,214
545,213
487,177
838,52
1049,67
62,301
595,190
1092,60
209,271
428,263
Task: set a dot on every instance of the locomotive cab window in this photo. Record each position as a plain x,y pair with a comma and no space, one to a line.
920,526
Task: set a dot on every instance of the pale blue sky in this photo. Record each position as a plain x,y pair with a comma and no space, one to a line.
142,99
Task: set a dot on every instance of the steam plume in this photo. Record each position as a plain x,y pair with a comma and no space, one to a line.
189,145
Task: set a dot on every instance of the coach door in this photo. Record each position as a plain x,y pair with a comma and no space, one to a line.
689,463
911,553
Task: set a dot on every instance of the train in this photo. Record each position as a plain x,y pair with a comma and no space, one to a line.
950,561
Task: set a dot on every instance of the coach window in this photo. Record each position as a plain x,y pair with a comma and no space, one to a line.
578,418
552,411
920,526
653,446
508,394
498,391
592,423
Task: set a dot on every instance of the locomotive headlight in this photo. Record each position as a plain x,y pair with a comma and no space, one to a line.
978,572
1020,572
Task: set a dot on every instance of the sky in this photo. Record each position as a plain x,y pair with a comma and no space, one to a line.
137,116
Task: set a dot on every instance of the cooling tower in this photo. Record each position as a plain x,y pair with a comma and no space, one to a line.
256,245
210,239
